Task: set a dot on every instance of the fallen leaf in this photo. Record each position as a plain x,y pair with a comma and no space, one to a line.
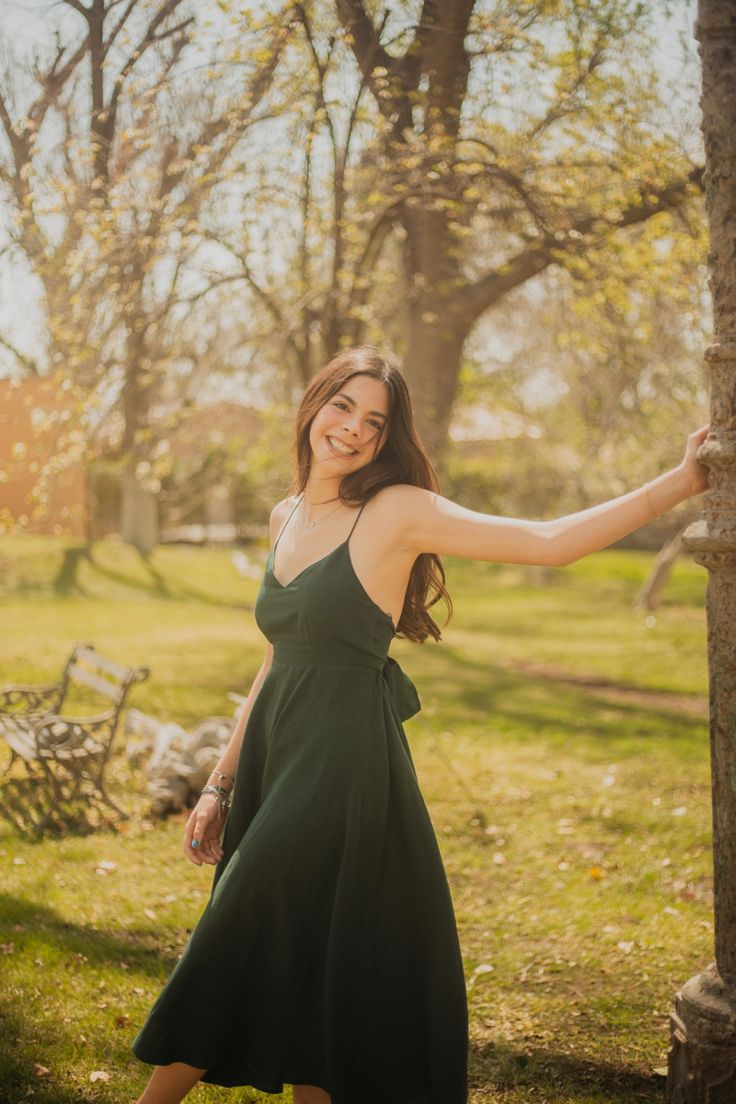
40,1071
149,913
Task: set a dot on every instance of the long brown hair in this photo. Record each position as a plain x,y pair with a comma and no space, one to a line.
402,460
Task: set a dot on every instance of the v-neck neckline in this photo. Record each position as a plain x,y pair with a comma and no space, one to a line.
285,586
343,544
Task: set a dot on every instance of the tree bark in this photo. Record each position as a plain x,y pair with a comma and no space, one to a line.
702,1063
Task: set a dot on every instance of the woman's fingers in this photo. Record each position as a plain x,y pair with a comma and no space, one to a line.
194,834
201,836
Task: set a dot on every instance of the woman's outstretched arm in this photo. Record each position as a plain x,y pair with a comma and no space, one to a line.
430,523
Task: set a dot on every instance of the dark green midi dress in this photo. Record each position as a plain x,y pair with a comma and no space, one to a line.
327,953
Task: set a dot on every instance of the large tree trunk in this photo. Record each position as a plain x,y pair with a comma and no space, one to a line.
432,367
702,1065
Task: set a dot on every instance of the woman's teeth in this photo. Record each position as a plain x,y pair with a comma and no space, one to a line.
339,447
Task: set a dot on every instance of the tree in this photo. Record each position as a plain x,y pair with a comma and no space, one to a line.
702,1061
473,189
144,151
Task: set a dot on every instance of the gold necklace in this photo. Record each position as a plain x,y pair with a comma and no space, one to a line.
311,524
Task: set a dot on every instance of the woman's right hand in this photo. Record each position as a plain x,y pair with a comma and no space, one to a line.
205,825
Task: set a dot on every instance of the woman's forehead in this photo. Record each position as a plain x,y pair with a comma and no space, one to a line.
366,390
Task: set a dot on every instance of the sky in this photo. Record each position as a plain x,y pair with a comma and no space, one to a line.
25,23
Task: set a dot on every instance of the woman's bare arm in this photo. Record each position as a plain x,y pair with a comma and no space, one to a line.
204,827
430,523
229,758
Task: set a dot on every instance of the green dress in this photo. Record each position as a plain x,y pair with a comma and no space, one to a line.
327,953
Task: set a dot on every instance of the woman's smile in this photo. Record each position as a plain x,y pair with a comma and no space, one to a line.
338,447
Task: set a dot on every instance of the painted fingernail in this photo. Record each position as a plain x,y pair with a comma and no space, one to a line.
195,843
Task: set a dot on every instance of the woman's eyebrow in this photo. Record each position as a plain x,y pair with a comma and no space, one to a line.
352,401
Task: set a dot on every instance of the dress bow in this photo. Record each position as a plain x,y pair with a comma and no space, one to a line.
402,691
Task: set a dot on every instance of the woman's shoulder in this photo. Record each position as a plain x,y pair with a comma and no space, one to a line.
279,514
397,498
399,506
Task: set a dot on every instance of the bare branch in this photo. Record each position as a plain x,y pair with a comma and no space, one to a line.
26,362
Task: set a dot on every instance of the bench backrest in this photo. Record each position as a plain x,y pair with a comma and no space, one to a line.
86,668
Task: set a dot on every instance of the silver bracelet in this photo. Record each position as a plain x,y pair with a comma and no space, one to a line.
223,798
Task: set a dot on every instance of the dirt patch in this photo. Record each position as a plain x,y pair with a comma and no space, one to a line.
610,690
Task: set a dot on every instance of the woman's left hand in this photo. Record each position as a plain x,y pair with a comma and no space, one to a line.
696,472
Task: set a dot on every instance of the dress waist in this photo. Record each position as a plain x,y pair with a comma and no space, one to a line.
401,690
304,655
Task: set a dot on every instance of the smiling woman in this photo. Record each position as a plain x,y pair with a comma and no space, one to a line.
328,956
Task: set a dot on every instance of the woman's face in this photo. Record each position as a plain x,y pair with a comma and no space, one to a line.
346,433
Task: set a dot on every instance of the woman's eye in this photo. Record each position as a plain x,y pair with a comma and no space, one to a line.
371,421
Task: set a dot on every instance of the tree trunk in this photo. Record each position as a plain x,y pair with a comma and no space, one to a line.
432,368
702,1061
650,591
139,520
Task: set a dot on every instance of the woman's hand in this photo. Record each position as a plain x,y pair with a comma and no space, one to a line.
697,473
205,827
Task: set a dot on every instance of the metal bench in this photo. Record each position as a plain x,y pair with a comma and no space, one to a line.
56,774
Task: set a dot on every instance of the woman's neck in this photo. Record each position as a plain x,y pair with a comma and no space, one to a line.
321,490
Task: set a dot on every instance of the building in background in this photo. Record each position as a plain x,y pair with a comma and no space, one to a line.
43,486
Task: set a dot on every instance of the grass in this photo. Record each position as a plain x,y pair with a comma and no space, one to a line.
562,751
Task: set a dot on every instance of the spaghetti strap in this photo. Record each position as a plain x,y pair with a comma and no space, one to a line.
360,511
278,538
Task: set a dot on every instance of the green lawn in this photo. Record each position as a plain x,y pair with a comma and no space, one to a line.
562,749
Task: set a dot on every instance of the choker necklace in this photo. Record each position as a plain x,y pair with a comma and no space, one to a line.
311,524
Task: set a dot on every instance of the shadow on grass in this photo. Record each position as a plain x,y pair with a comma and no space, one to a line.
534,705
66,581
551,1076
142,951
158,586
25,1045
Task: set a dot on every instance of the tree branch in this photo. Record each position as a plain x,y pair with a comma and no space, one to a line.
471,300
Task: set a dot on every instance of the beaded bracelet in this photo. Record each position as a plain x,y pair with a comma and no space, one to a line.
220,775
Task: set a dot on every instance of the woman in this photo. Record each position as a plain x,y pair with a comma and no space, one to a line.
327,956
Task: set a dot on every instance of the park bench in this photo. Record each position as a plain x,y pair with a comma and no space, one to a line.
56,774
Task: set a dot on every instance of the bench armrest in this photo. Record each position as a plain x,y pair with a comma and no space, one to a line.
17,699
